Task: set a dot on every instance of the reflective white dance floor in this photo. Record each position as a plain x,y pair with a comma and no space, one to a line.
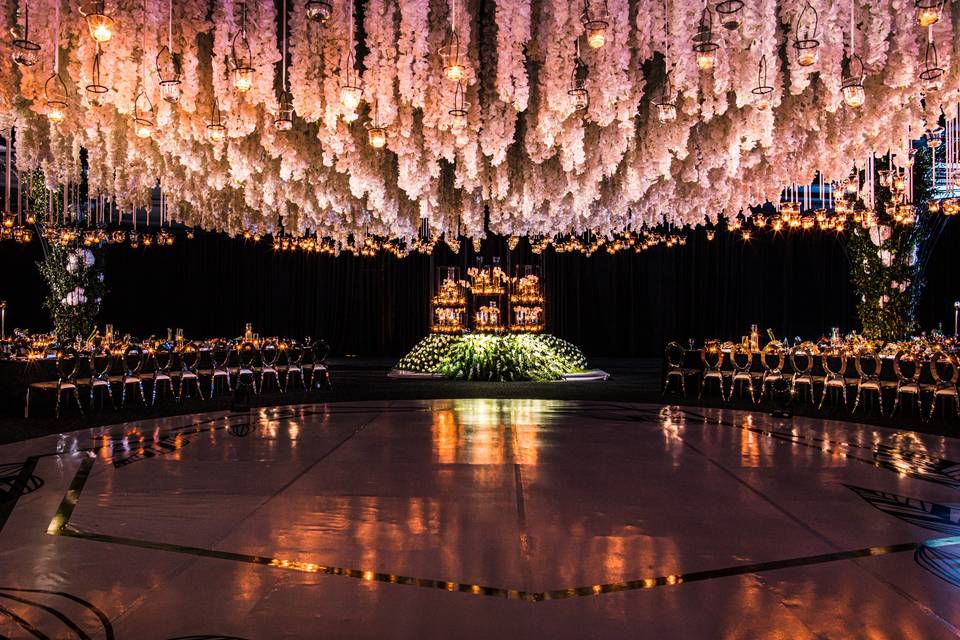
481,519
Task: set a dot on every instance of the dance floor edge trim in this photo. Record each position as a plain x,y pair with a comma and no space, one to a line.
60,526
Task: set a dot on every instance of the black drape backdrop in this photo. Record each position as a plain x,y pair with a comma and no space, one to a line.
626,304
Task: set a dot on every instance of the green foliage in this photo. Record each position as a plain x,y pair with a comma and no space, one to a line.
75,290
495,358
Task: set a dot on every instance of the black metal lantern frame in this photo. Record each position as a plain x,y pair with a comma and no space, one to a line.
216,129
762,89
578,82
25,50
169,83
730,14
96,88
319,11
241,55
806,41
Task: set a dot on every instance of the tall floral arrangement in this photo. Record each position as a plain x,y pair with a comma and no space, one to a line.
75,278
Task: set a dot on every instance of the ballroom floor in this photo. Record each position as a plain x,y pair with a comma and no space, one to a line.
481,518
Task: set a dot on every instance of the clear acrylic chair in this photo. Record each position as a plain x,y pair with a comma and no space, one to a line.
319,374
132,360
219,359
246,359
742,359
294,365
269,356
673,357
834,363
867,363
67,365
773,357
162,358
101,363
189,373
712,357
907,368
945,372
801,361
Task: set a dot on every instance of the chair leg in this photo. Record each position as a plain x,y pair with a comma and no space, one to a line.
76,396
26,404
56,409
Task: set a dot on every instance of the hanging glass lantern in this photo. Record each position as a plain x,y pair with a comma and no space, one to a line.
704,45
852,85
99,23
932,74
351,91
25,51
885,178
216,131
595,22
319,11
928,12
458,114
376,133
731,16
933,137
666,109
578,83
55,95
242,56
762,92
852,185
96,90
168,70
899,182
805,43
284,121
142,117
452,58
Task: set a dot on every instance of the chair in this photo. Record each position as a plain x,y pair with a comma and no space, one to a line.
945,386
673,356
67,364
907,384
101,363
318,366
712,358
219,358
162,361
246,355
774,372
269,354
189,360
741,370
294,354
802,375
132,361
869,381
834,363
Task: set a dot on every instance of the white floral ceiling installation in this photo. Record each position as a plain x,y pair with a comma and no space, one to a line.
523,159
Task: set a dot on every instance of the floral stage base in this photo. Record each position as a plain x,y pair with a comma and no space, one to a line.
495,358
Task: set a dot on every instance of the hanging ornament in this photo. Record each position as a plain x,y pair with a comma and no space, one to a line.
96,89
99,23
351,91
852,84
376,133
763,91
666,109
578,81
805,42
55,95
928,12
319,11
242,56
142,115
216,131
25,50
458,114
595,21
168,64
452,58
932,74
284,121
703,43
730,14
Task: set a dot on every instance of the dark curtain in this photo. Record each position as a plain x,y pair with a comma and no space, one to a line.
627,304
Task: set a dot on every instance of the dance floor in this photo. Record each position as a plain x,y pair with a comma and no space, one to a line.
481,519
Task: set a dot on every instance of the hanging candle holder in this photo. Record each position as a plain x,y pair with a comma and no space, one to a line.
703,43
885,178
376,133
351,91
805,43
216,131
55,95
99,23
96,89
458,114
595,21
932,74
142,117
319,11
284,121
928,12
852,85
730,14
763,91
242,56
168,70
933,137
578,82
25,50
454,67
666,108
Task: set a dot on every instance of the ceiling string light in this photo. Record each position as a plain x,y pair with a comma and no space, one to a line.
351,91
595,23
666,109
805,42
242,55
54,89
25,50
319,11
284,121
703,43
450,55
168,64
99,23
852,84
932,74
96,89
762,92
578,81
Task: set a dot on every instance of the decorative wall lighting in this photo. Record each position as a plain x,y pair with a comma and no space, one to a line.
319,11
805,43
216,131
703,43
595,20
99,23
25,50
763,91
578,81
242,56
96,89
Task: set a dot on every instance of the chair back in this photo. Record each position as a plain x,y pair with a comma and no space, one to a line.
163,358
320,350
294,353
943,368
68,363
674,356
867,363
132,359
906,367
741,358
101,362
712,356
773,357
834,361
269,353
247,354
219,354
189,357
802,353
